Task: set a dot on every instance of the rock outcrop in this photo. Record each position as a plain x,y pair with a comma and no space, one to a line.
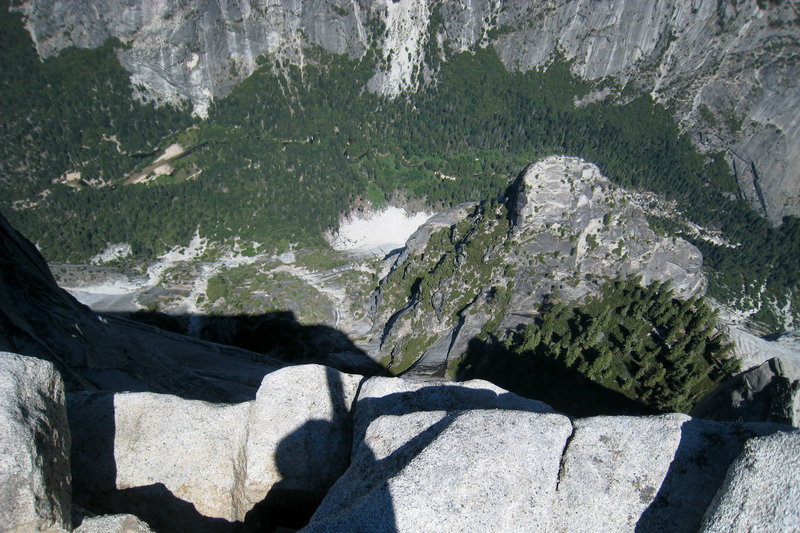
145,453
767,393
760,492
431,471
93,352
728,69
35,490
645,473
521,471
118,523
754,351
563,229
425,455
607,229
396,397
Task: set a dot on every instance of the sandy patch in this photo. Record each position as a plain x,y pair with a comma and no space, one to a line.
113,251
377,232
163,170
193,61
172,151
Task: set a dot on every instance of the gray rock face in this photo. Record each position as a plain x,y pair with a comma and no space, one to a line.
767,393
562,197
754,351
570,230
516,470
761,491
427,471
390,396
729,70
196,50
40,319
133,451
35,490
645,473
118,523
726,69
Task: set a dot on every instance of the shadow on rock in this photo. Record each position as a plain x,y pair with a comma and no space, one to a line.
698,469
299,459
546,380
277,334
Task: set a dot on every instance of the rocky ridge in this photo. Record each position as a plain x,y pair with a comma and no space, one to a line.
563,229
769,392
424,455
729,70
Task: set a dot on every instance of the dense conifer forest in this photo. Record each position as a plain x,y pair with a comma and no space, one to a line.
642,342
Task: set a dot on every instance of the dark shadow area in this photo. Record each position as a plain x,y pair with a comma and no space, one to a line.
277,334
543,379
705,453
393,253
163,511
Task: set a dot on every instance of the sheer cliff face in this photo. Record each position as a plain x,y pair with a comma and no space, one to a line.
730,71
199,49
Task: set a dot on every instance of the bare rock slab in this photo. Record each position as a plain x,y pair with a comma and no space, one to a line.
299,434
191,464
762,489
381,396
655,473
34,446
478,470
118,523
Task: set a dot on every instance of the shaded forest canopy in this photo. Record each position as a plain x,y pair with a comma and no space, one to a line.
641,342
288,151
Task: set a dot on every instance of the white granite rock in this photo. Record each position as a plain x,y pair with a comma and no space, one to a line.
762,489
34,446
118,523
655,473
612,470
298,433
480,470
189,446
213,461
391,396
